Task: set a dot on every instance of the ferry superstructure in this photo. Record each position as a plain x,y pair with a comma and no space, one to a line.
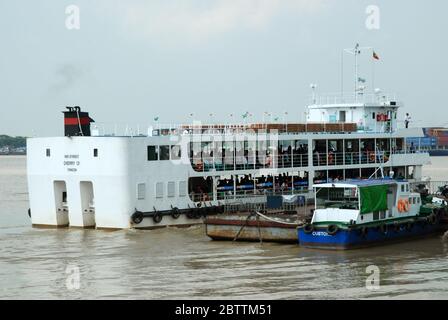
174,175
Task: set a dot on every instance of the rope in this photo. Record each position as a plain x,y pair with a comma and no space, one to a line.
274,220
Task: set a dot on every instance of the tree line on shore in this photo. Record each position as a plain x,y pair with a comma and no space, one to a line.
12,142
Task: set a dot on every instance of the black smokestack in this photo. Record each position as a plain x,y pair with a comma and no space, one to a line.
76,122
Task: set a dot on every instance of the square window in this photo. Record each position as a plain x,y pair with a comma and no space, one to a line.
159,190
48,153
164,152
171,189
153,153
182,188
175,152
141,191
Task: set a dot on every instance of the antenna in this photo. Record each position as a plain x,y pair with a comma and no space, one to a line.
356,51
313,87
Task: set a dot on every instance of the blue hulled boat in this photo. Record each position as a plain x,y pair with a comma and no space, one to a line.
361,213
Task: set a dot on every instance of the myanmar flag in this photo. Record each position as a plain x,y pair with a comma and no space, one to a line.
375,56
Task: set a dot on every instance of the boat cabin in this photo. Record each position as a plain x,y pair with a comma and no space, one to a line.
364,201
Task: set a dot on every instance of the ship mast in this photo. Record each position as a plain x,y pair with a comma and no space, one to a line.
356,51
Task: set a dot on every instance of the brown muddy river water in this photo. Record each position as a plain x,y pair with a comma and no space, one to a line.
185,264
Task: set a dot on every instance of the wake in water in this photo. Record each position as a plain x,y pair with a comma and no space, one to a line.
445,237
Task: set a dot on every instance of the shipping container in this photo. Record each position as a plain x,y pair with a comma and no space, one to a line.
442,141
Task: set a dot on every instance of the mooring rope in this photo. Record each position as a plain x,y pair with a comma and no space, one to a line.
277,221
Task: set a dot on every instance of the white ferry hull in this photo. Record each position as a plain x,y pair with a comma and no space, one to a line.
72,172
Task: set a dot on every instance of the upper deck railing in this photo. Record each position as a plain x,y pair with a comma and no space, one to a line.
351,98
118,130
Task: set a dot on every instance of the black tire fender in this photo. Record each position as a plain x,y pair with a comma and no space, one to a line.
197,213
308,228
157,217
332,229
137,217
190,213
432,219
175,213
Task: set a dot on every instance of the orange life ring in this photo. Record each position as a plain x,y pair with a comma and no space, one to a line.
400,206
406,205
403,205
372,156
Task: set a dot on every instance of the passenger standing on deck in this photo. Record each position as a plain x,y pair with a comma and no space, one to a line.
407,119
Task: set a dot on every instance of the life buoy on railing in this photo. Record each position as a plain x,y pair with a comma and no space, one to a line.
372,157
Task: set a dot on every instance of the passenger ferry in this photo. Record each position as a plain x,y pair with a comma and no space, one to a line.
361,213
174,175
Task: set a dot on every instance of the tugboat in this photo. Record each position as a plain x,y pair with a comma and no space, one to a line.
361,213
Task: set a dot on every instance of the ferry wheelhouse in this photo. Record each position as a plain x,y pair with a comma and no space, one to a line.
174,175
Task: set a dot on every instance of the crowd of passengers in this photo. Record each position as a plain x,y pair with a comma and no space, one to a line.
282,182
367,152
250,157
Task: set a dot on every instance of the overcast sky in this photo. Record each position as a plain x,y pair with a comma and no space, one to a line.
133,60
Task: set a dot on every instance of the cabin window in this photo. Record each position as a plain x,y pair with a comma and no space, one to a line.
159,190
153,153
182,188
48,153
164,152
175,152
141,191
407,188
171,189
341,198
373,115
383,215
402,188
95,153
418,200
376,216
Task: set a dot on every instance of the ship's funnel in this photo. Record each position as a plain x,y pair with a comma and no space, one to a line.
76,122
